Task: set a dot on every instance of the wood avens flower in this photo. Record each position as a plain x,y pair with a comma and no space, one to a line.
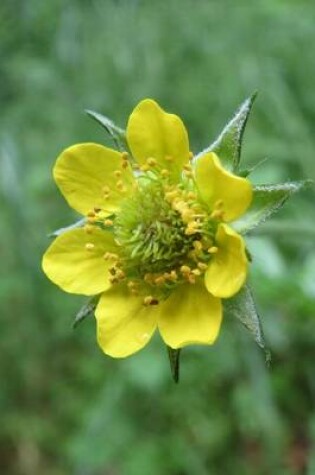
157,245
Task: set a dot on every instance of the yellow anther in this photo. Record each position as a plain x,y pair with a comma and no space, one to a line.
202,266
179,205
106,189
89,246
171,195
192,228
196,272
145,167
197,245
88,228
125,156
169,158
91,214
191,279
108,222
213,250
185,269
187,167
149,300
119,184
151,162
187,215
120,274
106,196
173,275
160,280
191,195
113,279
117,173
91,219
165,173
134,292
188,173
190,155
110,256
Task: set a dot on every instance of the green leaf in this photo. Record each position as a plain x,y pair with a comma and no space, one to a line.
229,143
117,134
85,311
267,199
242,307
77,224
174,357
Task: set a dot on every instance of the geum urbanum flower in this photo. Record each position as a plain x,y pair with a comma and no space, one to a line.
157,246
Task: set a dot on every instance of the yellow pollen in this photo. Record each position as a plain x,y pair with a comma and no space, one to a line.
91,219
197,245
88,228
196,272
125,156
117,173
202,266
187,215
213,250
113,279
185,269
191,279
91,214
106,189
125,164
108,222
173,275
160,280
191,195
89,246
120,274
171,195
151,162
149,300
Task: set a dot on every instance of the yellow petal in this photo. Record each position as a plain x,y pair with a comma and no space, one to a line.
124,324
151,132
82,173
74,261
190,316
227,270
215,183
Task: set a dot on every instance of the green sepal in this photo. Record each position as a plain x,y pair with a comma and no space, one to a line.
242,307
77,224
229,143
267,199
116,133
85,311
174,357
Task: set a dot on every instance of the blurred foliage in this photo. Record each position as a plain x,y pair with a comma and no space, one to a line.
67,409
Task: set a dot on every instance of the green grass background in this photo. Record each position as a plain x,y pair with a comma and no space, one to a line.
65,408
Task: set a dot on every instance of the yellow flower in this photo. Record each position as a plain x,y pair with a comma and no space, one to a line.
156,244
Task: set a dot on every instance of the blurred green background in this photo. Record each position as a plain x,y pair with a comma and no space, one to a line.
65,407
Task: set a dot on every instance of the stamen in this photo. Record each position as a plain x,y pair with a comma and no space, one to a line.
149,300
117,173
213,250
89,246
108,222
